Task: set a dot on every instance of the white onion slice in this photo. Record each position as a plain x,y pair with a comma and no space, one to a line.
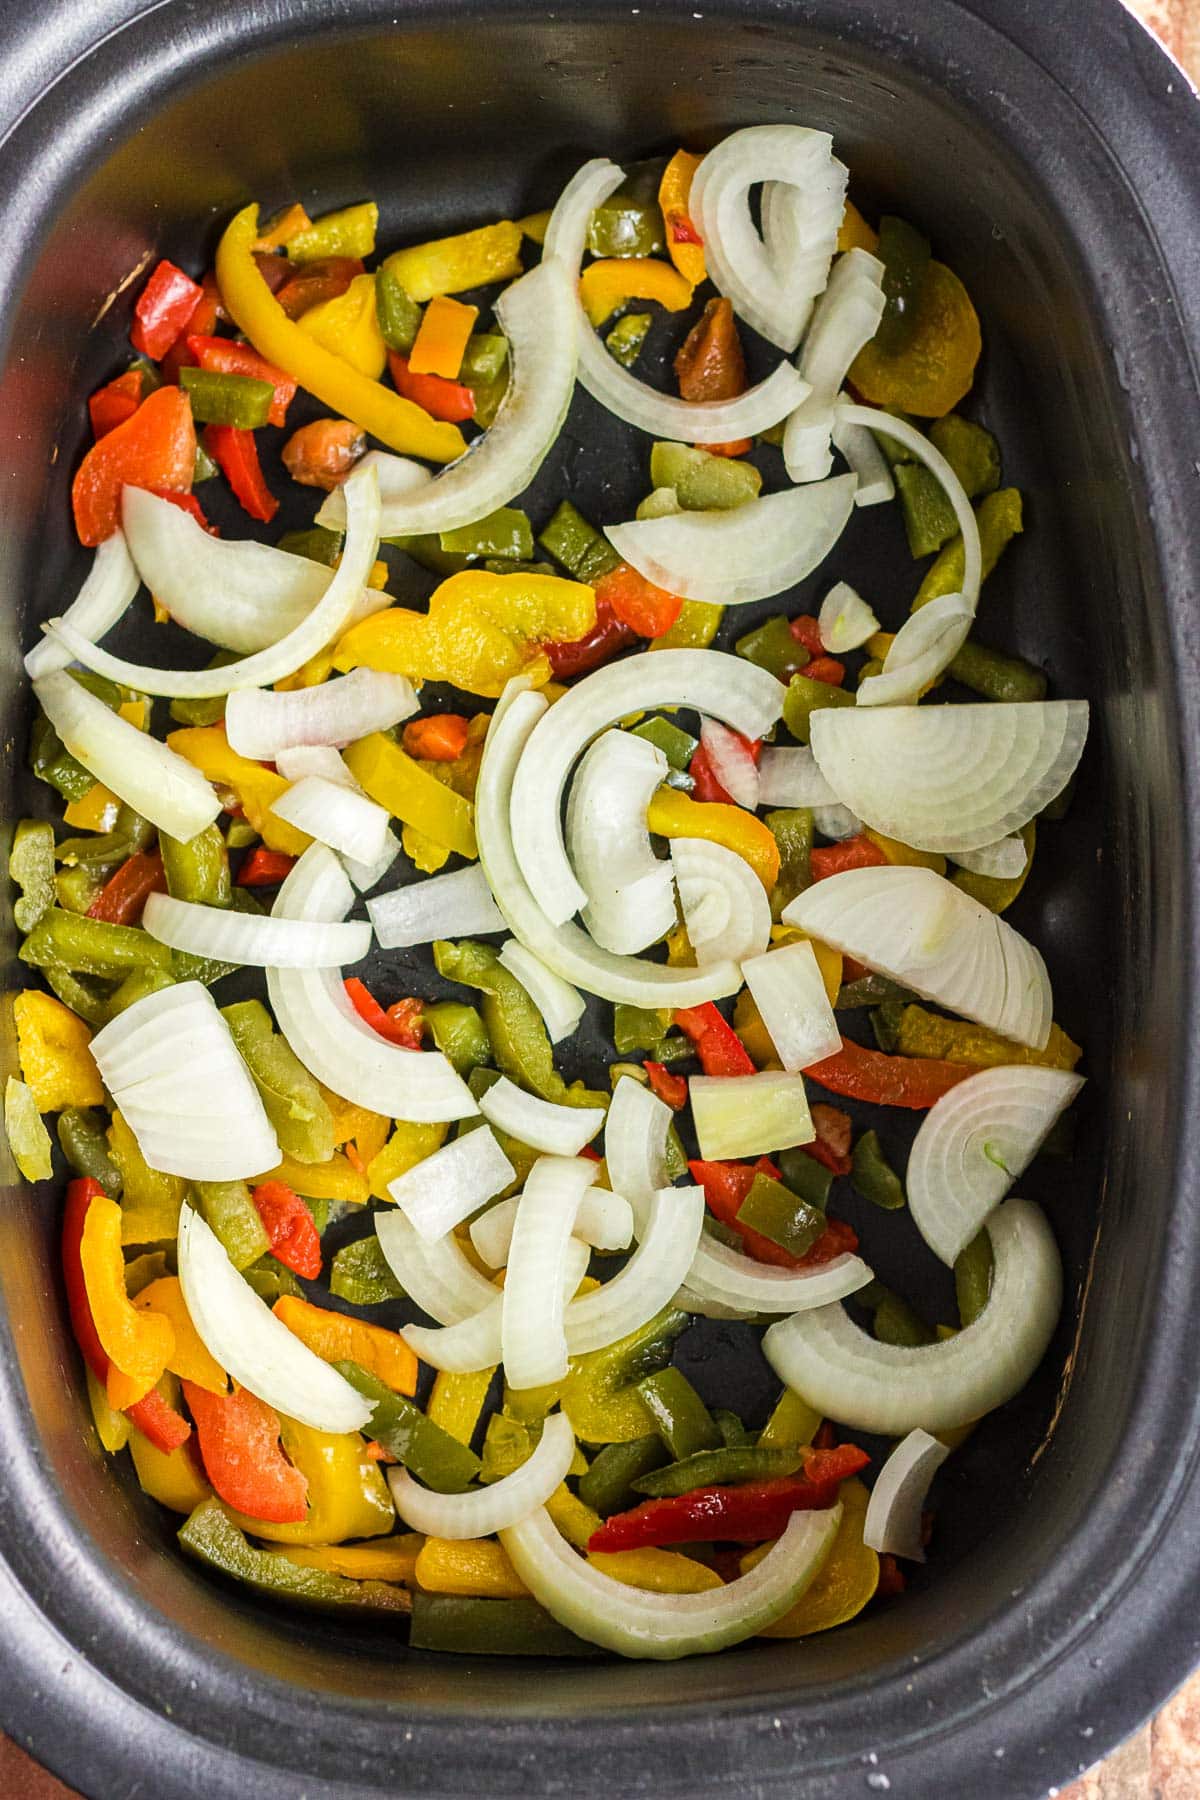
635,1145
974,1143
630,894
744,552
542,1124
675,1217
888,425
259,723
893,1518
788,990
254,938
931,937
846,317
1003,861
604,1221
725,905
720,1275
446,1187
950,778
789,776
437,1275
257,1349
327,620
732,762
836,822
334,814
632,1622
866,459
317,1019
561,1005
892,1388
533,1336
300,760
146,774
455,905
107,593
399,480
728,687
921,651
486,1509
845,621
474,1343
746,1115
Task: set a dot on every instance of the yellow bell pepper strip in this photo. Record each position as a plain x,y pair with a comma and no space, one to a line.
920,1033
533,226
395,421
673,814
52,1046
348,327
694,629
28,1138
793,1423
211,1536
190,1359
112,1427
338,1337
367,1130
251,785
656,1571
606,285
348,232
457,1402
347,1496
424,855
408,1145
441,341
150,1201
139,1345
336,1179
994,891
468,1566
903,855
1000,519
854,233
937,366
447,265
391,1559
398,783
846,1581
97,811
573,1520
683,240
174,1478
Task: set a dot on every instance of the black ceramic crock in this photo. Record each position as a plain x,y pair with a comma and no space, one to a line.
1054,154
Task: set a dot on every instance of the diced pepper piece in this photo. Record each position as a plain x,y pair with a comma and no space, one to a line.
873,1176
81,1134
726,1185
441,399
850,853
289,1225
282,226
348,327
227,399
702,481
999,517
910,1081
608,1485
749,1513
929,518
123,896
684,246
648,610
52,1046
804,695
229,1211
265,868
438,1460
717,1044
254,786
936,367
582,550
711,365
112,404
225,357
31,866
625,340
154,448
348,232
439,737
337,1337
441,342
325,279
773,644
399,784
361,1274
398,314
996,676
792,1423
677,745
673,814
165,305
905,255
211,1536
694,629
782,1215
448,265
630,221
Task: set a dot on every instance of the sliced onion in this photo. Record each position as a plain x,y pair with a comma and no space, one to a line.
893,1519
437,1275
635,1145
399,480
725,905
645,1285
147,775
664,416
106,595
259,723
327,620
893,1388
446,1187
732,762
604,1221
772,292
790,777
321,759
921,651
561,1005
931,937
537,314
888,425
836,822
950,778
746,1115
630,894
865,458
455,905
317,1019
254,938
257,1349
974,1143
845,621
533,1335
728,687
744,552
632,1622
1003,861
483,1510
846,317
334,814
788,990
542,1124
565,949
724,1277
474,1344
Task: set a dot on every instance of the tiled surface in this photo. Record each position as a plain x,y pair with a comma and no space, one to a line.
1162,1762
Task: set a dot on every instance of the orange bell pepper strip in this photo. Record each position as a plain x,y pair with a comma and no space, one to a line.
710,365
636,602
441,737
607,284
243,1458
673,814
851,853
441,340
441,399
337,1337
396,422
684,245
190,1359
154,448
915,1082
117,401
138,1344
295,1240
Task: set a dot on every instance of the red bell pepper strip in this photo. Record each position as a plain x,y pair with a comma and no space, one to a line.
155,448
891,1577
912,1081
230,358
579,656
125,893
242,1455
111,405
718,1046
726,1185
164,307
831,1146
295,1240
265,868
852,853
636,602
236,454
705,783
441,399
671,1089
827,669
189,504
442,737
750,1513
399,1024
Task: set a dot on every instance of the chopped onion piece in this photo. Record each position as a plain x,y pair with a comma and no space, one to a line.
728,687
399,480
645,1285
845,621
742,553
335,815
106,596
865,458
561,1005
893,1388
732,762
974,1143
950,778
836,822
632,1622
604,1221
790,777
543,1125
437,1275
846,317
259,722
787,988
630,894
146,774
446,1187
262,941
533,1337
724,1277
474,1343
931,937
456,905
1003,861
921,651
483,1510
893,1520
725,905
635,1145
746,1115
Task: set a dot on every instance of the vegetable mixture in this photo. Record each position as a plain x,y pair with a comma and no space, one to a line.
382,1279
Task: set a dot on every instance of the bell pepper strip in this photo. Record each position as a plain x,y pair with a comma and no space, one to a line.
290,1095
360,1274
470,259
239,1443
718,1046
673,814
323,453
282,226
657,1571
684,244
441,737
31,867
903,855
726,1186
705,786
930,373
398,314
647,610
52,1047
117,401
457,1401
579,656
680,1417
804,695
607,1486
225,357
792,1422
671,1089
154,448
211,1536
515,1028
347,1493
625,340
311,286
138,1345
453,401
112,1427
609,283
468,1626
831,1146
441,340
694,629
847,1580
387,1559
403,1030
165,305
81,1137
227,399
85,946
438,1460
189,1359
255,310
348,327
784,1215
745,1514
264,868
827,669
964,1045
289,1225
1000,518
236,455
470,1566
337,1337
911,1081
334,1179
721,1467
252,786
175,1478
126,892
575,543
710,364
150,1200
851,853
350,231
773,644
399,784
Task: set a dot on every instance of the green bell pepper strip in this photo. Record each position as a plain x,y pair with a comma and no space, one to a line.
804,697
92,946
710,1468
772,646
608,1485
488,396
869,990
82,996
677,745
484,359
359,1274
929,518
52,763
398,314
905,255
973,1278
136,986
625,340
995,675
272,1281
211,711
792,1423
31,866
999,517
805,1176
426,551
897,1323
515,1028
229,1212
792,829
600,1394
76,889
732,1431
27,1136
207,969
504,533
81,1133
220,399
680,1416
150,1266
458,1624
872,1176
130,833
210,1535
292,1100
630,221
318,544
459,1033
203,466
507,1443
582,551
775,1212
437,1460
639,1027
198,870
703,482
971,451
